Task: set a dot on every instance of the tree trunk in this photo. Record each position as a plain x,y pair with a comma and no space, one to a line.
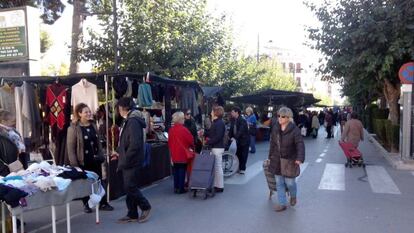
77,34
392,94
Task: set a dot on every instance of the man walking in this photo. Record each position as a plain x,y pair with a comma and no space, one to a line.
130,155
240,132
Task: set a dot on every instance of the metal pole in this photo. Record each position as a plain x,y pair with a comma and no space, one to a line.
258,48
115,24
107,135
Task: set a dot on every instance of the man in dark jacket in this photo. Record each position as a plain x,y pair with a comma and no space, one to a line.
190,124
240,132
130,155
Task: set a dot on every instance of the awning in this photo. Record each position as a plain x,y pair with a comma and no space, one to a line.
211,91
277,97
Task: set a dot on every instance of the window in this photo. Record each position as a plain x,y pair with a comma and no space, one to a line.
298,68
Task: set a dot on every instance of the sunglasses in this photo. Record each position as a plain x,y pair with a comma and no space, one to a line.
282,116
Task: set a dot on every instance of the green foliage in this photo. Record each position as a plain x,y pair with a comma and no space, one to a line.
392,133
379,129
45,41
51,70
325,99
365,42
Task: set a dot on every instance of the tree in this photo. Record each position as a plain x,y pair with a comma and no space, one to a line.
45,41
51,9
51,70
173,38
365,40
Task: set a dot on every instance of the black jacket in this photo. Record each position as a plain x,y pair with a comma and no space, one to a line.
131,142
216,134
8,154
291,147
192,127
242,135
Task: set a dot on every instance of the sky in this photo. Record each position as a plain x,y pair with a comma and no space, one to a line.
279,21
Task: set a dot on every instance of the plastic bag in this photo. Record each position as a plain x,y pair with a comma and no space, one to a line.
303,131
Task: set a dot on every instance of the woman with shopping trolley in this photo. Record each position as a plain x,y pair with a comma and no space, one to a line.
215,136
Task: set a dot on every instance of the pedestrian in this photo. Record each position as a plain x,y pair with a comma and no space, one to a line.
239,131
190,124
329,123
130,156
181,144
7,129
252,124
216,142
85,149
315,125
286,153
353,131
321,117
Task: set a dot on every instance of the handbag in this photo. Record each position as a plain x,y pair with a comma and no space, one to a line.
289,168
15,166
98,159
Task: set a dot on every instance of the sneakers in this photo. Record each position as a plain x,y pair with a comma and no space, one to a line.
127,219
144,216
293,201
87,210
241,172
106,207
218,190
280,208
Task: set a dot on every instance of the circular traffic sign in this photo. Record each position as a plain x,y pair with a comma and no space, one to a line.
406,73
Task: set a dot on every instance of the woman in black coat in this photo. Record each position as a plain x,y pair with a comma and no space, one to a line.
286,153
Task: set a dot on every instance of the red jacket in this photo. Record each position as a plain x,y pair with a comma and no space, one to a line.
180,141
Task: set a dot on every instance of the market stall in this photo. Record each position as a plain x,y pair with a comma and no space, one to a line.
157,97
270,100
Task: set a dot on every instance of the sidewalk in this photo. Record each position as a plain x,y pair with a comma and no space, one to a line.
394,159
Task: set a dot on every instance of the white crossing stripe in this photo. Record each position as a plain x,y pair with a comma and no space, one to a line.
322,155
251,172
326,150
303,166
412,173
318,160
333,177
380,181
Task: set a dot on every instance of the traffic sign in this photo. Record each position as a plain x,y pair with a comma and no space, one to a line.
406,73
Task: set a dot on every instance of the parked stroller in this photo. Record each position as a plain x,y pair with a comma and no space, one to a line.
352,154
230,160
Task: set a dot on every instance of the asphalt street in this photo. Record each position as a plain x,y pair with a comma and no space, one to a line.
331,198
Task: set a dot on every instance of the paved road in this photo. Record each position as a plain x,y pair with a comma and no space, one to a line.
331,198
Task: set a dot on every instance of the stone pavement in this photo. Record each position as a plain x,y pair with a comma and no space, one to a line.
331,198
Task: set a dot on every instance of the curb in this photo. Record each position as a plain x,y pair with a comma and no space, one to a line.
393,159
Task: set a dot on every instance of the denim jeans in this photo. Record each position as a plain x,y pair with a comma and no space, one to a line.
252,144
281,183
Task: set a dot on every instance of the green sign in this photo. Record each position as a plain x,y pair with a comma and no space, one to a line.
13,44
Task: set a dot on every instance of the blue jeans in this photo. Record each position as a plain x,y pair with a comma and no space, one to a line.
281,183
252,144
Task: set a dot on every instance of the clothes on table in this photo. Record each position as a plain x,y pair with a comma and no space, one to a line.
11,195
73,174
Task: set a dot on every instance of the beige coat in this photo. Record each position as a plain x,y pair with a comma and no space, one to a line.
353,132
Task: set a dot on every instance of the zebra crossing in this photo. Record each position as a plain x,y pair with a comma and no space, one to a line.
332,179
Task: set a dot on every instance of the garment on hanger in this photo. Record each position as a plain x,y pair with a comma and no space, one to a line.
145,95
28,121
87,93
134,89
128,92
7,99
56,102
188,100
120,86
